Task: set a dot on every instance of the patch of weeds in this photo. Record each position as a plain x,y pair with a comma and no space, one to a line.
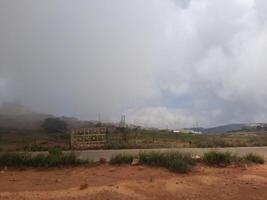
34,148
116,145
223,159
254,158
53,159
14,159
215,158
174,161
121,159
55,152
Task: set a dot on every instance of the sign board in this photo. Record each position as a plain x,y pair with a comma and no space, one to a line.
86,138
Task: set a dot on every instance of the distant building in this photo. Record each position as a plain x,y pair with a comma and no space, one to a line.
195,132
186,131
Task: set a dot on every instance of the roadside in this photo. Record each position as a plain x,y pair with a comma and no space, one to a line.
95,155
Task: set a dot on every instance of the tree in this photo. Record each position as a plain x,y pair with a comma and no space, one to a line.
54,125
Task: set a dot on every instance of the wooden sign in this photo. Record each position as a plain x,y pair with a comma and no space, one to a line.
87,138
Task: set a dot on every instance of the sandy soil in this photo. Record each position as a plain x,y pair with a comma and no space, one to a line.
134,182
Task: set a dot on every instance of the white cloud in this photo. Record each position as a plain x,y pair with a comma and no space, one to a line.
92,57
161,117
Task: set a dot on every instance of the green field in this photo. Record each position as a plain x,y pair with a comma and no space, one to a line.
39,140
35,140
164,139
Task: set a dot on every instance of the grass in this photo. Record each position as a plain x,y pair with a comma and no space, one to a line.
53,159
165,139
254,158
182,162
34,148
223,159
31,140
174,161
37,140
121,159
215,158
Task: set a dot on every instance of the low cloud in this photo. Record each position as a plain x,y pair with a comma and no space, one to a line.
163,63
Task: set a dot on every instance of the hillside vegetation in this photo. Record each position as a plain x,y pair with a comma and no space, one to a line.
40,140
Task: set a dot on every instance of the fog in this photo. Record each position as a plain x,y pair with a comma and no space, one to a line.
162,63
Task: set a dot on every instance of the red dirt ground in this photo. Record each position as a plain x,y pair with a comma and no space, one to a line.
134,182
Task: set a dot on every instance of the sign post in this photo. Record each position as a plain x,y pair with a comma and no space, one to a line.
87,138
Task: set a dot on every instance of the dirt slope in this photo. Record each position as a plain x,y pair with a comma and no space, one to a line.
128,182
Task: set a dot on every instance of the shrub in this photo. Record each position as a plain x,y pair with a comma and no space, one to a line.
218,158
152,158
121,159
53,159
174,161
55,152
180,166
225,158
254,158
116,145
14,159
34,148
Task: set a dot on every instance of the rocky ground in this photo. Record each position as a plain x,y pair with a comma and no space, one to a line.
134,182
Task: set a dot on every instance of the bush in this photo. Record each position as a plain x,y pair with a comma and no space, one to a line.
34,148
14,159
55,152
254,158
225,158
180,166
152,158
218,158
174,161
116,145
121,159
53,159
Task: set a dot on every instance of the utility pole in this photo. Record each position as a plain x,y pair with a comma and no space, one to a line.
122,122
197,128
99,120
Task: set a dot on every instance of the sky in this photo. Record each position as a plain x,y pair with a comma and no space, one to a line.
162,63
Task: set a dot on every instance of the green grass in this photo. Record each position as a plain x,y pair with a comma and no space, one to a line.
182,162
121,159
254,158
223,159
217,158
34,148
31,140
174,161
53,159
37,140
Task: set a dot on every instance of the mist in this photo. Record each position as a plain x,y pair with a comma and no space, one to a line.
159,62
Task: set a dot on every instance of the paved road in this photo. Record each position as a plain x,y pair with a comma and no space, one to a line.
95,155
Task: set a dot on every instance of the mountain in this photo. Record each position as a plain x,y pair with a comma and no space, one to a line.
236,127
224,128
199,129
